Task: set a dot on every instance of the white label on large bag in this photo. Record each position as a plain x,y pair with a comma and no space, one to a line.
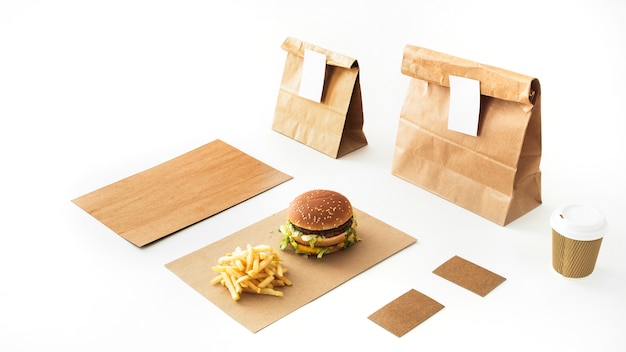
464,109
313,73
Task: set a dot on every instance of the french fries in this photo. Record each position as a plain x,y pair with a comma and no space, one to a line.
255,269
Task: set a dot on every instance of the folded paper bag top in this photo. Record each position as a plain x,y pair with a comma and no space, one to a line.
427,65
333,124
495,173
298,47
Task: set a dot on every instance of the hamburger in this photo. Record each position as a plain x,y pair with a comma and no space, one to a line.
319,222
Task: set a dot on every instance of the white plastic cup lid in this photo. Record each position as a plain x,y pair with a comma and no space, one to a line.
579,222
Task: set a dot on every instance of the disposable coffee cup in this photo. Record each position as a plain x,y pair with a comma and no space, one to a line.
577,233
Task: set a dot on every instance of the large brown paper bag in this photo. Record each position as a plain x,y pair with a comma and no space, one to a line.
494,174
334,125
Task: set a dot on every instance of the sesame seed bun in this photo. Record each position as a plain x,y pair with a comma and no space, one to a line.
319,210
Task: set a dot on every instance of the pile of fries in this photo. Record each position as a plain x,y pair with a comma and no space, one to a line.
255,269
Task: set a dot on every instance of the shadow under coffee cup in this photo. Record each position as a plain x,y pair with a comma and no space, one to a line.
577,232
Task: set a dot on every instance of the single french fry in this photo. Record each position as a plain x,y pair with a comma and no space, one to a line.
249,258
255,265
220,268
253,286
266,281
279,270
243,279
269,271
263,248
239,265
229,284
271,292
216,279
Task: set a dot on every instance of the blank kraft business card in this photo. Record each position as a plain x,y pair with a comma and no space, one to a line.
469,275
406,312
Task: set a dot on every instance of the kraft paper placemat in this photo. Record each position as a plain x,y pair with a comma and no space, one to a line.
180,192
406,312
469,275
311,277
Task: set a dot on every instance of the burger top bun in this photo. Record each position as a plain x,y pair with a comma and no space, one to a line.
319,210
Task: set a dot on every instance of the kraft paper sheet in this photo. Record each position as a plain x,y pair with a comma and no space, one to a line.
180,192
311,277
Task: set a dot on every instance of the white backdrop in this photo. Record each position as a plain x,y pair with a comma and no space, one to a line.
91,92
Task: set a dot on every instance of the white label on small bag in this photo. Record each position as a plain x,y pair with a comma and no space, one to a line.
313,72
464,109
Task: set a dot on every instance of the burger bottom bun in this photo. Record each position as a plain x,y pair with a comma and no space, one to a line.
324,241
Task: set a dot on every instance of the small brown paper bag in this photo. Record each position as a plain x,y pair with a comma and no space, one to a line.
494,174
334,124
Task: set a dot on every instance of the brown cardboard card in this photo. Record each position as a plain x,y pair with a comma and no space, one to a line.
311,277
469,275
178,193
406,312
